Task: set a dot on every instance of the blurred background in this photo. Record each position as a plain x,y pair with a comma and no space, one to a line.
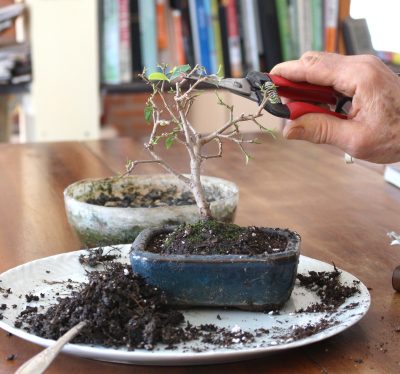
68,68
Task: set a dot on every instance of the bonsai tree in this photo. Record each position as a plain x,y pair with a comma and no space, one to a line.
170,123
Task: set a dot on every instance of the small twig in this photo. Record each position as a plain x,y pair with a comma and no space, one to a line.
219,154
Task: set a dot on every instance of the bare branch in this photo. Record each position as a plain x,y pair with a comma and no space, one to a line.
219,154
166,106
132,164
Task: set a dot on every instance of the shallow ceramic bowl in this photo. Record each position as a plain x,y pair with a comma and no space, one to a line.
263,282
99,225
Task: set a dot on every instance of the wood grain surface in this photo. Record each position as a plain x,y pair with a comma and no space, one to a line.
343,213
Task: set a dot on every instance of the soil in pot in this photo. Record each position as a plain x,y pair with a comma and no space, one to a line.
154,198
210,237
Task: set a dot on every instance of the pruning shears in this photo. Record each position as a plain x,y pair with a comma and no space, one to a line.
304,97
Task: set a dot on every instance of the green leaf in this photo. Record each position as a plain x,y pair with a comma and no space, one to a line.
178,70
148,112
157,76
169,141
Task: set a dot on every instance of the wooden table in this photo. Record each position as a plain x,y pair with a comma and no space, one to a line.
342,212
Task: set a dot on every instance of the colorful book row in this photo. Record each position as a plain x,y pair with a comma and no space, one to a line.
228,37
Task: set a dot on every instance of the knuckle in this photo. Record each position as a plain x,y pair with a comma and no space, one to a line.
322,133
371,67
371,60
312,58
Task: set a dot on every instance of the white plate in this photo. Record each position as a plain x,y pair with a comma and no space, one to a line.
48,276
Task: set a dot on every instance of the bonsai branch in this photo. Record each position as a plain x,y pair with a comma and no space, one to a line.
172,115
132,164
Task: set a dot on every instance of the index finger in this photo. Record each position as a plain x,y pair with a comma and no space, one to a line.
325,69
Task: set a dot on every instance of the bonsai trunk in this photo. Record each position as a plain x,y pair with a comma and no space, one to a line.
197,187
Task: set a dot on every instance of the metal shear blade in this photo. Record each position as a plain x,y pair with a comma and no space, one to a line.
238,86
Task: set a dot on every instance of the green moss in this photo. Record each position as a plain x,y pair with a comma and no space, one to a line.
196,233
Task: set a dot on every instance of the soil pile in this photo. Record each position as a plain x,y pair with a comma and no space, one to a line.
327,285
120,310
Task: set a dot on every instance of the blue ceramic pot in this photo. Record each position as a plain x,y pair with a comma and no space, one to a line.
262,282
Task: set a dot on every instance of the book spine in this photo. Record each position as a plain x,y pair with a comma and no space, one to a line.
331,25
210,37
317,25
248,16
270,34
111,65
125,42
183,7
136,55
224,38
304,25
284,29
195,31
202,25
179,45
162,30
148,34
235,54
292,14
344,12
220,68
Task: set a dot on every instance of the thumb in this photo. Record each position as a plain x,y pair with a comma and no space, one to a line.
324,129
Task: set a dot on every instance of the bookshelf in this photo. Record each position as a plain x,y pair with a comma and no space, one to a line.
69,86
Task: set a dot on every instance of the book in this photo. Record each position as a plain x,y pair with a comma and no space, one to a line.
235,54
357,38
111,72
148,35
317,13
195,32
162,29
331,14
224,38
292,14
136,54
179,45
166,35
219,58
125,54
248,16
203,35
183,7
211,38
344,12
282,11
270,34
11,11
304,24
12,22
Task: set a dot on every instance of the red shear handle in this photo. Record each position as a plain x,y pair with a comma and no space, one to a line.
298,108
303,91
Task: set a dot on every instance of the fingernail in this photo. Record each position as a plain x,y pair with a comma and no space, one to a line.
295,133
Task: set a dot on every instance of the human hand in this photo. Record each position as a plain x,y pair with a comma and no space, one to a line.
372,130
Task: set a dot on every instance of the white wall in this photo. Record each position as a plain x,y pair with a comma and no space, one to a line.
65,56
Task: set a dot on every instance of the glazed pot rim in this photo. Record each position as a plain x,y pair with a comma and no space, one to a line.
68,190
292,250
